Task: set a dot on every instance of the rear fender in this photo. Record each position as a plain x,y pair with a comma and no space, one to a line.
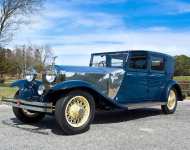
173,84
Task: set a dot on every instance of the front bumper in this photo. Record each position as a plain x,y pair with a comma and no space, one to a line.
29,105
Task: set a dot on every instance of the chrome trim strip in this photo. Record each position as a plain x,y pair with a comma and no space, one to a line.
144,105
35,106
28,102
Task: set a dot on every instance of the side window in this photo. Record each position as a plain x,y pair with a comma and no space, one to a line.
117,63
157,63
117,60
138,61
99,61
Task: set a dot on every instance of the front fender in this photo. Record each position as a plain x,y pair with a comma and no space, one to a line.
172,84
20,84
74,84
27,90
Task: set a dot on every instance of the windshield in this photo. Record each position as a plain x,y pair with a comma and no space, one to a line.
117,60
99,61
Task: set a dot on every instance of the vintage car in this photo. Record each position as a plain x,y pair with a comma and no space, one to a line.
113,80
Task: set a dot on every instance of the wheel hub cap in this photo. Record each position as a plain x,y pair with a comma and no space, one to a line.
76,111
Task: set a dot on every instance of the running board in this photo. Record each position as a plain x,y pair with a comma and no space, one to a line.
144,105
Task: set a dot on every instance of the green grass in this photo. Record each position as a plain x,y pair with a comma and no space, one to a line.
182,78
7,92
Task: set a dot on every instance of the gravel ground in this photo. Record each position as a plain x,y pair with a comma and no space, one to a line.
133,130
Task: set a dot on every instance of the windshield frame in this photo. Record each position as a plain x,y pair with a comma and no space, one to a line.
109,57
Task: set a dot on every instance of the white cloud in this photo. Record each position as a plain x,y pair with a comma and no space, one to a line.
60,19
168,42
79,33
174,6
165,42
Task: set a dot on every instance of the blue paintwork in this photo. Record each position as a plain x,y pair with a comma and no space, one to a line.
137,85
20,84
73,84
27,90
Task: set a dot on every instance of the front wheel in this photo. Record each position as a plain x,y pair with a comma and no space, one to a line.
171,105
27,116
75,112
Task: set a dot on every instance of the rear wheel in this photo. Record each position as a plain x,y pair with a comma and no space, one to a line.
171,105
75,112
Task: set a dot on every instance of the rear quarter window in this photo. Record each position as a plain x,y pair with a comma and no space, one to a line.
138,61
157,63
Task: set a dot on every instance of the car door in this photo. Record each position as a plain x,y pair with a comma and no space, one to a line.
157,77
135,83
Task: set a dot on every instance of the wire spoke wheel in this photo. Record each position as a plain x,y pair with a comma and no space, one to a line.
77,111
172,99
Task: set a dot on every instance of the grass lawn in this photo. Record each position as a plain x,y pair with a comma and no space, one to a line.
7,92
182,78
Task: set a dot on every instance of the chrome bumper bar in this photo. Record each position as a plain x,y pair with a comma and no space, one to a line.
34,106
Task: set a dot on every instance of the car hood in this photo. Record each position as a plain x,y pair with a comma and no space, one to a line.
84,69
105,80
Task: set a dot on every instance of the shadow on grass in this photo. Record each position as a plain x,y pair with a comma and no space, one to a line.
104,117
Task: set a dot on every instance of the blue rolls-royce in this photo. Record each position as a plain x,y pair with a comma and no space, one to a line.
113,80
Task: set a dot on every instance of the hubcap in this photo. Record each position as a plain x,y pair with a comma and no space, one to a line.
77,111
172,100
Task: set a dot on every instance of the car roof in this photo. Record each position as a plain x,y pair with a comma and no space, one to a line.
131,51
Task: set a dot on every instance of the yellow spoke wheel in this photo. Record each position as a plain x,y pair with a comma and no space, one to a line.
77,111
172,100
171,105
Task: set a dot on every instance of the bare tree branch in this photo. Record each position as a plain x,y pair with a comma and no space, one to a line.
11,12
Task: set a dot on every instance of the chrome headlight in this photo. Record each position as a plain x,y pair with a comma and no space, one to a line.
30,75
50,77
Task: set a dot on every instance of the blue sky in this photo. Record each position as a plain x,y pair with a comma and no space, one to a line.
75,28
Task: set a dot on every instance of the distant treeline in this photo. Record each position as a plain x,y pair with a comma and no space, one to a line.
182,65
15,62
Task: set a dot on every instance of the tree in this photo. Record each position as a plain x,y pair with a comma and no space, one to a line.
182,65
45,54
12,14
25,57
5,65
